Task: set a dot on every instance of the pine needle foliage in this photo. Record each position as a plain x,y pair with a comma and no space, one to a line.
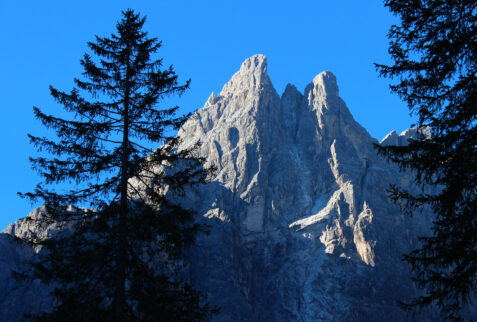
120,257
434,52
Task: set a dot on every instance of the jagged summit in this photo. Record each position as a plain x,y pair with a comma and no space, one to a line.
212,99
290,88
325,84
252,80
252,75
255,62
412,133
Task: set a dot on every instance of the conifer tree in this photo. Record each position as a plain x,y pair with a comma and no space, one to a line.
434,52
119,257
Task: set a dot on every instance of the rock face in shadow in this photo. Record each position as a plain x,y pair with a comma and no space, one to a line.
17,297
301,226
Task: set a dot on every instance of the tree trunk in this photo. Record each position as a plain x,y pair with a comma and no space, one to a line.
120,296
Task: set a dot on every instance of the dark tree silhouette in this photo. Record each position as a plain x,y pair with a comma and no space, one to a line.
119,259
434,52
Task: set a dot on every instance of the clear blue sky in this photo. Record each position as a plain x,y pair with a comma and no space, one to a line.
42,42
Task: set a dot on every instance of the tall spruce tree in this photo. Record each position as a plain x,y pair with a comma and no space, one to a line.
434,52
119,258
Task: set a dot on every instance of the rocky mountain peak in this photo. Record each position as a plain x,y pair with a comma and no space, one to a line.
212,99
324,84
402,139
252,75
255,63
322,91
291,91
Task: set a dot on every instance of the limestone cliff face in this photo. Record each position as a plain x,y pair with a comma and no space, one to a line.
301,227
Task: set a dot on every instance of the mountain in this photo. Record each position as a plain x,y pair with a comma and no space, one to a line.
301,226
